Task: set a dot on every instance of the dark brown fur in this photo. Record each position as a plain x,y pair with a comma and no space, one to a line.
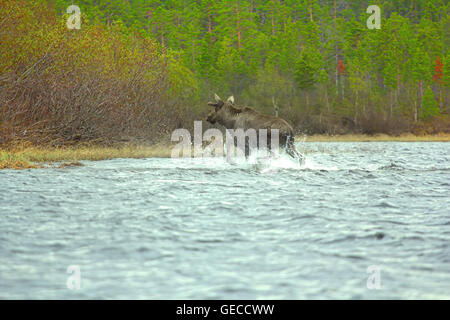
232,117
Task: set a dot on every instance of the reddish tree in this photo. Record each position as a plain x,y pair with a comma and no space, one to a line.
438,73
341,68
438,69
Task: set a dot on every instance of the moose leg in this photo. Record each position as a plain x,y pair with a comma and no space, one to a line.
265,143
247,148
251,144
240,147
292,151
273,150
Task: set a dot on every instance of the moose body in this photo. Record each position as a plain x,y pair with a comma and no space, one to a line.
232,117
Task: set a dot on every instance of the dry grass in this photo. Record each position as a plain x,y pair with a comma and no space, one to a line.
442,137
16,164
24,156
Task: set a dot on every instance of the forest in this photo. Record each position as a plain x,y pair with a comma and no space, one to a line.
138,69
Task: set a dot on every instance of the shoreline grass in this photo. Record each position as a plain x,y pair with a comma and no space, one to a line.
23,156
441,137
27,157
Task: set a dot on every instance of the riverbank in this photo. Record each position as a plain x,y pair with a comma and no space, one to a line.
442,137
28,157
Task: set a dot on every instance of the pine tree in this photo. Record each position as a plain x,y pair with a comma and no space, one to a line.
437,78
235,46
430,106
421,67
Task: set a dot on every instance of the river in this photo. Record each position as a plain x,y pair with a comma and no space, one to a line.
357,221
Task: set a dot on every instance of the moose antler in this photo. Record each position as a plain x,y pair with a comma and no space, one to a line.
218,102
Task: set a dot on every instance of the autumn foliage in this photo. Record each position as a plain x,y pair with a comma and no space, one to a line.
98,84
438,70
341,68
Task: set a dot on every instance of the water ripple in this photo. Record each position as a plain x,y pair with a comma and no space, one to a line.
206,229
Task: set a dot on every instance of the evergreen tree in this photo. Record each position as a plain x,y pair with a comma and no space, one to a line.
430,106
237,46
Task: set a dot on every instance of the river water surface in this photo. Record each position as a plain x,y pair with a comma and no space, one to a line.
207,229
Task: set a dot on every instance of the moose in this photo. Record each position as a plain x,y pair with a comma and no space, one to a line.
227,114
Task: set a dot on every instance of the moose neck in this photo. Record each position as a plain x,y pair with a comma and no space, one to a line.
229,117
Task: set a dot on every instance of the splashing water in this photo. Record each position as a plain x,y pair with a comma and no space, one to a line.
264,161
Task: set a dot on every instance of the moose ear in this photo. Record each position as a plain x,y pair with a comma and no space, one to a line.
231,100
216,104
219,103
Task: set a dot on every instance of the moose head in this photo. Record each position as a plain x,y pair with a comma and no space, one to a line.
222,110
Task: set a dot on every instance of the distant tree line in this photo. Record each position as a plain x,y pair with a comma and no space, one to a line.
315,60
140,68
